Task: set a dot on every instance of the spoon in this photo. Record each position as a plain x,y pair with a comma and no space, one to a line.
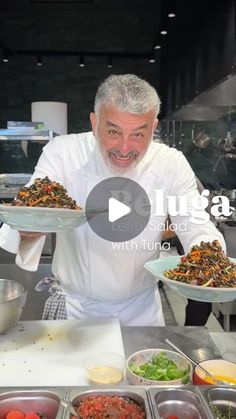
208,374
67,403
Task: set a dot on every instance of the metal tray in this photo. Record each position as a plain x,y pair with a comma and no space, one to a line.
137,394
222,399
14,179
183,402
44,401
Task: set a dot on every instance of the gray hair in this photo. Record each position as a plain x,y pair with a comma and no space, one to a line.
128,93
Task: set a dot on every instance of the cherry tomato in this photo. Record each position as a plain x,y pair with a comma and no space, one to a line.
15,414
32,415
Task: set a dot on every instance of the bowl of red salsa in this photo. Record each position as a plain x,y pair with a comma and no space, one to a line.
102,406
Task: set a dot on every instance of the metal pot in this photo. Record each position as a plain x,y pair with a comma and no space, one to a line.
200,139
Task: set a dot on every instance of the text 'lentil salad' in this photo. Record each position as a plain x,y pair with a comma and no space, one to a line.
44,193
205,265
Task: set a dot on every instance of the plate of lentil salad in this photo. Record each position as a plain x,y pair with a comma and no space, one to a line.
44,206
204,274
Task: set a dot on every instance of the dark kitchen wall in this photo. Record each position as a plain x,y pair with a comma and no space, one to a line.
198,53
62,26
61,79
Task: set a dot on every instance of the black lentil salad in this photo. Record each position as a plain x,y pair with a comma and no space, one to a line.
44,193
205,265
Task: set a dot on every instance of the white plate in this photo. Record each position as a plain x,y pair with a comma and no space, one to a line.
39,219
194,292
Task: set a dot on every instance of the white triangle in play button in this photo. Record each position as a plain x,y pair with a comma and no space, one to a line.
117,209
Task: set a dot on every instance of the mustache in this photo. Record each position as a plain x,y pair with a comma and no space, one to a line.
134,154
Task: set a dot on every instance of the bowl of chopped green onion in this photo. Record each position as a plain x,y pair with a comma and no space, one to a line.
158,367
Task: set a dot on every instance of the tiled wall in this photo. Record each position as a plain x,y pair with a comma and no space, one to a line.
59,79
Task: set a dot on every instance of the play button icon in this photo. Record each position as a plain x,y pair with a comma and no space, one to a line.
117,209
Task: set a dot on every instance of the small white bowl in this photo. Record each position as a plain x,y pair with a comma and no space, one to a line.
141,357
105,368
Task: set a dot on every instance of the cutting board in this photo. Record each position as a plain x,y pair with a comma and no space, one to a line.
51,353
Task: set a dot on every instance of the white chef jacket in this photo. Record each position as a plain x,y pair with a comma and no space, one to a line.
97,279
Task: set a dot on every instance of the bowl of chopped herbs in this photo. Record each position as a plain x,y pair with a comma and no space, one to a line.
158,367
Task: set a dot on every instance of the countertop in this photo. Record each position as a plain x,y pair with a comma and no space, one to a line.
195,341
51,353
225,343
57,346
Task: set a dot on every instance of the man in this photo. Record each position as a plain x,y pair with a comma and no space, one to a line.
95,278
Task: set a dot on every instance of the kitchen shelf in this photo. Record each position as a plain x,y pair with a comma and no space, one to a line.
13,135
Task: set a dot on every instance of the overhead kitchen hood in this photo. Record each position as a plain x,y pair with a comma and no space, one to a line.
211,104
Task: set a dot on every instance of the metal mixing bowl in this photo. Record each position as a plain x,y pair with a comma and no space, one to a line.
12,301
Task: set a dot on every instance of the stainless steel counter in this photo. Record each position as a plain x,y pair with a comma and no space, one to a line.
195,341
225,343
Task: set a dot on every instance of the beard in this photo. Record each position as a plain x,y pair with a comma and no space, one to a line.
107,155
114,152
